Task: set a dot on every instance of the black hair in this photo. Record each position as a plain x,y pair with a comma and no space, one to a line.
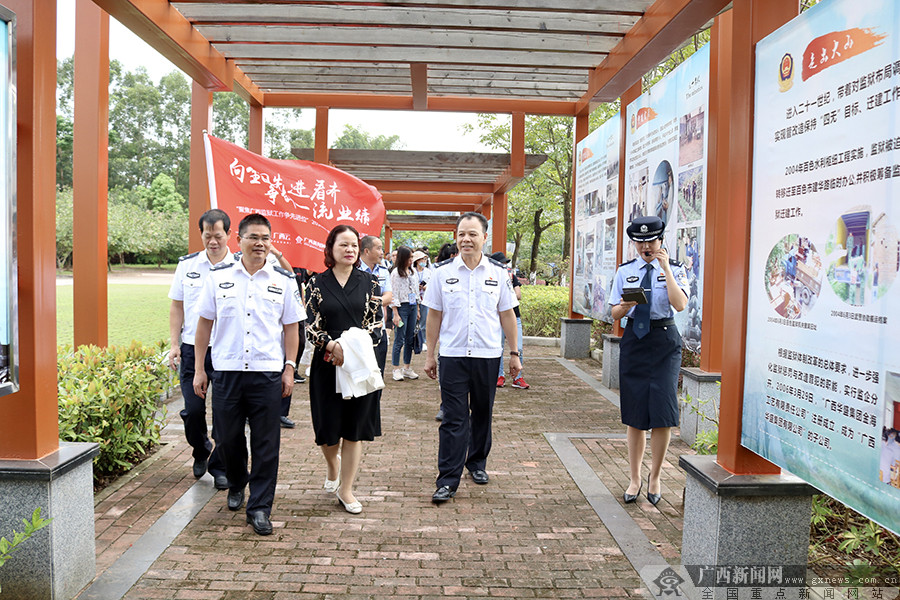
443,253
473,215
367,242
404,261
332,238
213,216
253,219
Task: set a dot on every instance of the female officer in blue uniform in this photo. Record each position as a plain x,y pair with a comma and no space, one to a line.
650,350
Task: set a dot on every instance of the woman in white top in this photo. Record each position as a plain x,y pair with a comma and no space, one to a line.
405,285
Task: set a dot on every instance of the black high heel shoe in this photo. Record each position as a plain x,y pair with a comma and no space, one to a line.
629,498
652,498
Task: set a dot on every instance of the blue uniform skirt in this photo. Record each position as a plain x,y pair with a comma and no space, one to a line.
648,377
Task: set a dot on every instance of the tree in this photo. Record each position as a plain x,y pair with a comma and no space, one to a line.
356,138
162,197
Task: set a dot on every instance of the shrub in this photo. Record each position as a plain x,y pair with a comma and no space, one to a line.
541,308
111,396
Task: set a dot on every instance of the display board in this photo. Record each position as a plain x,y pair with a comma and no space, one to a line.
9,379
822,382
596,222
665,173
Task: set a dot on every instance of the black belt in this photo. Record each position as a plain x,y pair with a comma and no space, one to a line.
656,323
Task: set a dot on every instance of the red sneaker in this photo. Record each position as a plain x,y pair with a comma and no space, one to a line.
501,381
520,383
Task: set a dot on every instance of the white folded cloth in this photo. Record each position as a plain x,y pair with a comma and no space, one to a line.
359,375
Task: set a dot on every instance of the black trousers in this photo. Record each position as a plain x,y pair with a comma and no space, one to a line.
239,396
194,413
381,352
468,386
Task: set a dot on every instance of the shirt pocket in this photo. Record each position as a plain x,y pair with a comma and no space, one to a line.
273,305
454,296
227,305
192,288
489,297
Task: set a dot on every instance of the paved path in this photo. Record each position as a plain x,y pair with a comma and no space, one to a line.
551,523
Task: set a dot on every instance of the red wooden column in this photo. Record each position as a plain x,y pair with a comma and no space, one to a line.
757,18
630,95
198,202
29,426
90,173
321,146
257,129
498,227
388,237
582,122
718,185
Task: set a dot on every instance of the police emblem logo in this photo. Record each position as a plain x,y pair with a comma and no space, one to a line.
193,275
226,284
644,229
786,73
632,279
451,281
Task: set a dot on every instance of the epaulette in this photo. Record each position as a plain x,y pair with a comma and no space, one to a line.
628,263
675,263
222,265
444,262
284,272
237,255
187,256
497,262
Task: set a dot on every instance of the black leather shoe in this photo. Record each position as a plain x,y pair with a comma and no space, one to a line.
440,415
199,467
479,476
629,498
653,498
260,522
442,494
220,482
235,499
286,423
299,378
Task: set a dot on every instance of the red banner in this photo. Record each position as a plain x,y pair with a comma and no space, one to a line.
303,200
837,46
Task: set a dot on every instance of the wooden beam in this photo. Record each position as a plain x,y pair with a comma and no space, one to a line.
418,75
627,7
517,146
389,102
159,24
321,149
498,229
664,27
246,88
419,206
432,198
90,174
431,186
404,226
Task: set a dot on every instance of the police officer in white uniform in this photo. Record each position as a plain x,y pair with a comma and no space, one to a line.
371,253
470,299
256,308
650,350
190,276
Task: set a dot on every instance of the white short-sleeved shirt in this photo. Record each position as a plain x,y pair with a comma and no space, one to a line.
471,302
250,312
631,274
190,275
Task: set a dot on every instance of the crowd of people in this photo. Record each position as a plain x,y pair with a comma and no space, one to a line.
246,328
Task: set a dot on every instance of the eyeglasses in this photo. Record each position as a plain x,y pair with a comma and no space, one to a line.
256,238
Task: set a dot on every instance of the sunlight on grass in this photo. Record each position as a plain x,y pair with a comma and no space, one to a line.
136,312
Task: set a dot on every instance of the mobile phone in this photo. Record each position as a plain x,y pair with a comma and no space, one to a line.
327,356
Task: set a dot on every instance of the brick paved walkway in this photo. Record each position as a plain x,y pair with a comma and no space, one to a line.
530,533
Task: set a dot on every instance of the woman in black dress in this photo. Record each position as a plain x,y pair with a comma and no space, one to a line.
340,298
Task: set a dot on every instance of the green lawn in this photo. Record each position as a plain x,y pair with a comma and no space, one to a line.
136,312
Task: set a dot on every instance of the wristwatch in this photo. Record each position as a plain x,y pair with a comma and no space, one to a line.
292,363
514,354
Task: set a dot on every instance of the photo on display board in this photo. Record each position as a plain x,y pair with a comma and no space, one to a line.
612,194
690,194
638,184
690,137
793,276
589,258
609,235
579,253
595,202
889,458
599,306
862,252
586,295
662,190
687,252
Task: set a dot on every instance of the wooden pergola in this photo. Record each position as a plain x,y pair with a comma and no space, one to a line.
394,172
516,57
